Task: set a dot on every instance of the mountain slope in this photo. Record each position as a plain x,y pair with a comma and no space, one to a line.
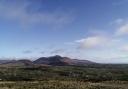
60,61
54,60
18,63
47,61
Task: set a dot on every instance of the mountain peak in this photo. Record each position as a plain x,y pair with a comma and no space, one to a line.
58,60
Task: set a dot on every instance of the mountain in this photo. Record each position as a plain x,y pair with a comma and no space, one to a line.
45,61
61,61
18,63
4,61
53,60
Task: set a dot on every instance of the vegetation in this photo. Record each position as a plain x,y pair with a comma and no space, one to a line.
65,77
54,84
87,73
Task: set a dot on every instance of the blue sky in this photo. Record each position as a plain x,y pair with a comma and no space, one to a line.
95,30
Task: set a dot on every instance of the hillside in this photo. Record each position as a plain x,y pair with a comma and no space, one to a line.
47,61
61,61
17,63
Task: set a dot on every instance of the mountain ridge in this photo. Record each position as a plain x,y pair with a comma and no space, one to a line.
52,61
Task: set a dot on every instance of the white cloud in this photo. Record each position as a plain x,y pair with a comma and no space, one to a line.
18,11
117,21
123,30
120,2
57,51
124,48
27,51
92,42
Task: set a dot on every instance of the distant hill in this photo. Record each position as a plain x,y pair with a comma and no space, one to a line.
4,61
17,63
45,61
61,61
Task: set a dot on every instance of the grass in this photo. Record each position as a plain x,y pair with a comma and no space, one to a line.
65,77
55,84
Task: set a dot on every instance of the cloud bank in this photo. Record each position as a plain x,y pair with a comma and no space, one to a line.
122,30
91,42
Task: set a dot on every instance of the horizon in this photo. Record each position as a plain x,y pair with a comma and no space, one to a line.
35,58
83,29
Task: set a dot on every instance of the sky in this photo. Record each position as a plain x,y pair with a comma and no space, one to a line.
95,30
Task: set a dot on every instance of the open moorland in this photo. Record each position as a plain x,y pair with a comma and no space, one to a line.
98,76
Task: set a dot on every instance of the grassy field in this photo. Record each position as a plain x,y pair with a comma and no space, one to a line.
65,77
54,84
89,73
